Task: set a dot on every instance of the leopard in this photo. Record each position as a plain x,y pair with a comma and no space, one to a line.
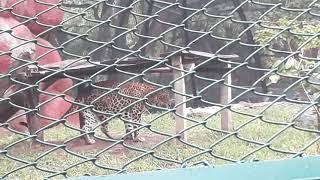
127,100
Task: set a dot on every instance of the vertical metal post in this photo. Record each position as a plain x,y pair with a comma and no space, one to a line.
225,98
179,86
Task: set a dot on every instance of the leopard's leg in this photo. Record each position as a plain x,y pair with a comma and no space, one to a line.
137,118
132,127
129,128
81,120
104,126
127,125
89,119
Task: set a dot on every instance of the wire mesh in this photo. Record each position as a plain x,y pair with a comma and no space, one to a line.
213,82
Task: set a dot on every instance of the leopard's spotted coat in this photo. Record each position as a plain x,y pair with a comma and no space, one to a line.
116,102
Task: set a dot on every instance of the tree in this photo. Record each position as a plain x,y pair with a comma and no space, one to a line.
298,45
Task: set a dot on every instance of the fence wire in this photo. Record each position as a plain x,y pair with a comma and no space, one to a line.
155,84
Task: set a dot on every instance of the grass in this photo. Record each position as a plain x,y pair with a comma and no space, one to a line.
204,145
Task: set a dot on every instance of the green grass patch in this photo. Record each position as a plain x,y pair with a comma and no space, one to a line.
253,137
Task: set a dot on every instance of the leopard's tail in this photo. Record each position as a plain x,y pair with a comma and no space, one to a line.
73,107
78,99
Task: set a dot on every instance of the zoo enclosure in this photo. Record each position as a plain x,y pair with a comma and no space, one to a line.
148,31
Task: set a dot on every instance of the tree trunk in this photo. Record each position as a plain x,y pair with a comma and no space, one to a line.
122,20
250,40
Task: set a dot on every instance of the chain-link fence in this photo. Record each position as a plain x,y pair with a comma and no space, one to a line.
111,86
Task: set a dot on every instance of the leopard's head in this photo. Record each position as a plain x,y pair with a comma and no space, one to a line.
160,99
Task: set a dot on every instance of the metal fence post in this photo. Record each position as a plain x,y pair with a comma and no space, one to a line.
225,98
179,86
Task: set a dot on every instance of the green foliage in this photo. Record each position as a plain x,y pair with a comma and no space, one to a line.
289,36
